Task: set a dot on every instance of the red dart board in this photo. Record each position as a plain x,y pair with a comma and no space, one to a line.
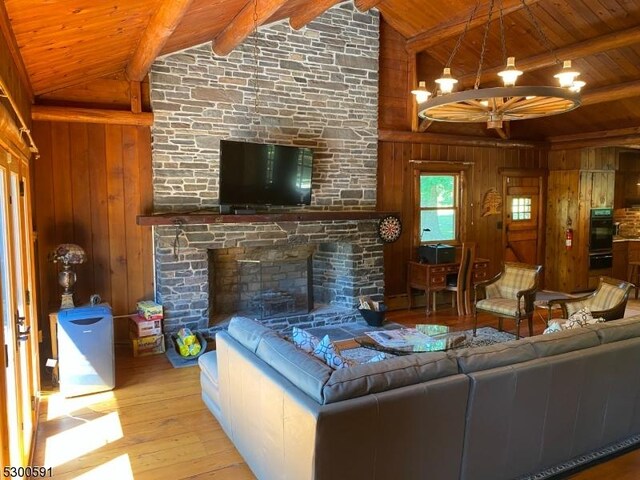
389,228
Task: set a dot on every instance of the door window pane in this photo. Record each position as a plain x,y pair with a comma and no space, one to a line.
521,208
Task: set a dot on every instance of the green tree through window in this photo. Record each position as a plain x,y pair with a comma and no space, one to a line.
438,207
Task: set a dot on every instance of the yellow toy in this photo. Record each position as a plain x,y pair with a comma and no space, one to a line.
188,344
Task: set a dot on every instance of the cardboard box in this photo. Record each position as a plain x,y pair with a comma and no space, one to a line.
151,345
143,327
149,309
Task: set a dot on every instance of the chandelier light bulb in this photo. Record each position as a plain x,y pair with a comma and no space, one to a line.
567,75
577,86
421,93
446,81
510,74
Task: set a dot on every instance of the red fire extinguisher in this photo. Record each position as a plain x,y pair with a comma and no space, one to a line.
568,238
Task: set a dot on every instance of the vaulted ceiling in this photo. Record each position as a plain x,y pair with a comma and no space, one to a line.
64,43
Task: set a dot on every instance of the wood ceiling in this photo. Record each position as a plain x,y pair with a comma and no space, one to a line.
65,43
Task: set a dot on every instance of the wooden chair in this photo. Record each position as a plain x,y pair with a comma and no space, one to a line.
510,294
608,301
634,275
462,284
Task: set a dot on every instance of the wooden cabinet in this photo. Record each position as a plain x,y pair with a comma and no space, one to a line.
620,260
579,180
623,253
627,179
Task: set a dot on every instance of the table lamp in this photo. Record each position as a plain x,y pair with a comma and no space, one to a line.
68,254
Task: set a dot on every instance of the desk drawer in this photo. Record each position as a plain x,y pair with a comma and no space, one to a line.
437,270
479,276
438,280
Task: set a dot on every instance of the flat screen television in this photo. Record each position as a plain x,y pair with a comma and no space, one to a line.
264,174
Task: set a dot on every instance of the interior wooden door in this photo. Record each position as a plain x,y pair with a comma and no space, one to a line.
19,385
523,218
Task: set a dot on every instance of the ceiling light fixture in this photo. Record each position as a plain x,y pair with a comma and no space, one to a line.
497,104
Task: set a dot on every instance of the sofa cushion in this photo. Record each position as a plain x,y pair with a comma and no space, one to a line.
248,332
208,363
493,356
505,306
564,341
616,330
388,374
303,370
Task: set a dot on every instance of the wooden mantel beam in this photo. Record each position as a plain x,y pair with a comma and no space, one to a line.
162,24
90,115
365,5
311,10
442,32
610,41
243,24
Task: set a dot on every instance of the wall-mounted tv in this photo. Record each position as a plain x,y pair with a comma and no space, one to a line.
264,174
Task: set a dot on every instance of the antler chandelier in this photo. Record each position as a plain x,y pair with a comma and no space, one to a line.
498,104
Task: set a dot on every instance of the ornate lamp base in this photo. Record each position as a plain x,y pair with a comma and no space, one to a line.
67,301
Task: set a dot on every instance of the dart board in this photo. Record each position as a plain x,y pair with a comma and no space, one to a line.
389,228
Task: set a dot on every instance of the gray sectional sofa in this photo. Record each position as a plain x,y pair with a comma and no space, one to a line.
496,412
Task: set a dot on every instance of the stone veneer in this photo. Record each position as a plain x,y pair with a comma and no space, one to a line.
317,87
351,257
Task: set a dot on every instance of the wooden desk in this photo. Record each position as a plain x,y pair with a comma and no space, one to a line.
433,277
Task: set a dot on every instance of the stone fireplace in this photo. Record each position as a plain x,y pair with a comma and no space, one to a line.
318,88
199,271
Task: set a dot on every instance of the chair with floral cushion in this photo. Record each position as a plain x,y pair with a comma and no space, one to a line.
608,301
510,294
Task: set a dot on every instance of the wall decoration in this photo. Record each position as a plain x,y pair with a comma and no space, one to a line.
389,228
492,203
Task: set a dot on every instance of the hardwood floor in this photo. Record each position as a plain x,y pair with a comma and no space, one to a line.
152,426
155,426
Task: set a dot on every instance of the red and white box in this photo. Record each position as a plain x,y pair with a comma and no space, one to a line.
144,327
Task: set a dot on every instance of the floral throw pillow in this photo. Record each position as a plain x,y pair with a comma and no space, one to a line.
304,340
327,352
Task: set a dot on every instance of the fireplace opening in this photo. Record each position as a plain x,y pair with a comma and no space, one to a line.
275,288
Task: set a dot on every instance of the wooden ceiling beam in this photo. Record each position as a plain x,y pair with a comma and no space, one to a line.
162,24
243,24
610,41
611,93
365,5
309,11
395,136
436,35
606,138
90,115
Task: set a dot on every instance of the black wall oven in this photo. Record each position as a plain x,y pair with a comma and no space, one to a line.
600,238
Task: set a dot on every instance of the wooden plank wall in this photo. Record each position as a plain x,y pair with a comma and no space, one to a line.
395,172
89,184
395,194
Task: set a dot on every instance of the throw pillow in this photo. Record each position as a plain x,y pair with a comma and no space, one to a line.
304,340
377,358
553,327
328,353
577,319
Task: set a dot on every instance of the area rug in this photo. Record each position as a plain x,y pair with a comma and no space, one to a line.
485,336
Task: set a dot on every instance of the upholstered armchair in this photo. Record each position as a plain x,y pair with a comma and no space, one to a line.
608,301
510,294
